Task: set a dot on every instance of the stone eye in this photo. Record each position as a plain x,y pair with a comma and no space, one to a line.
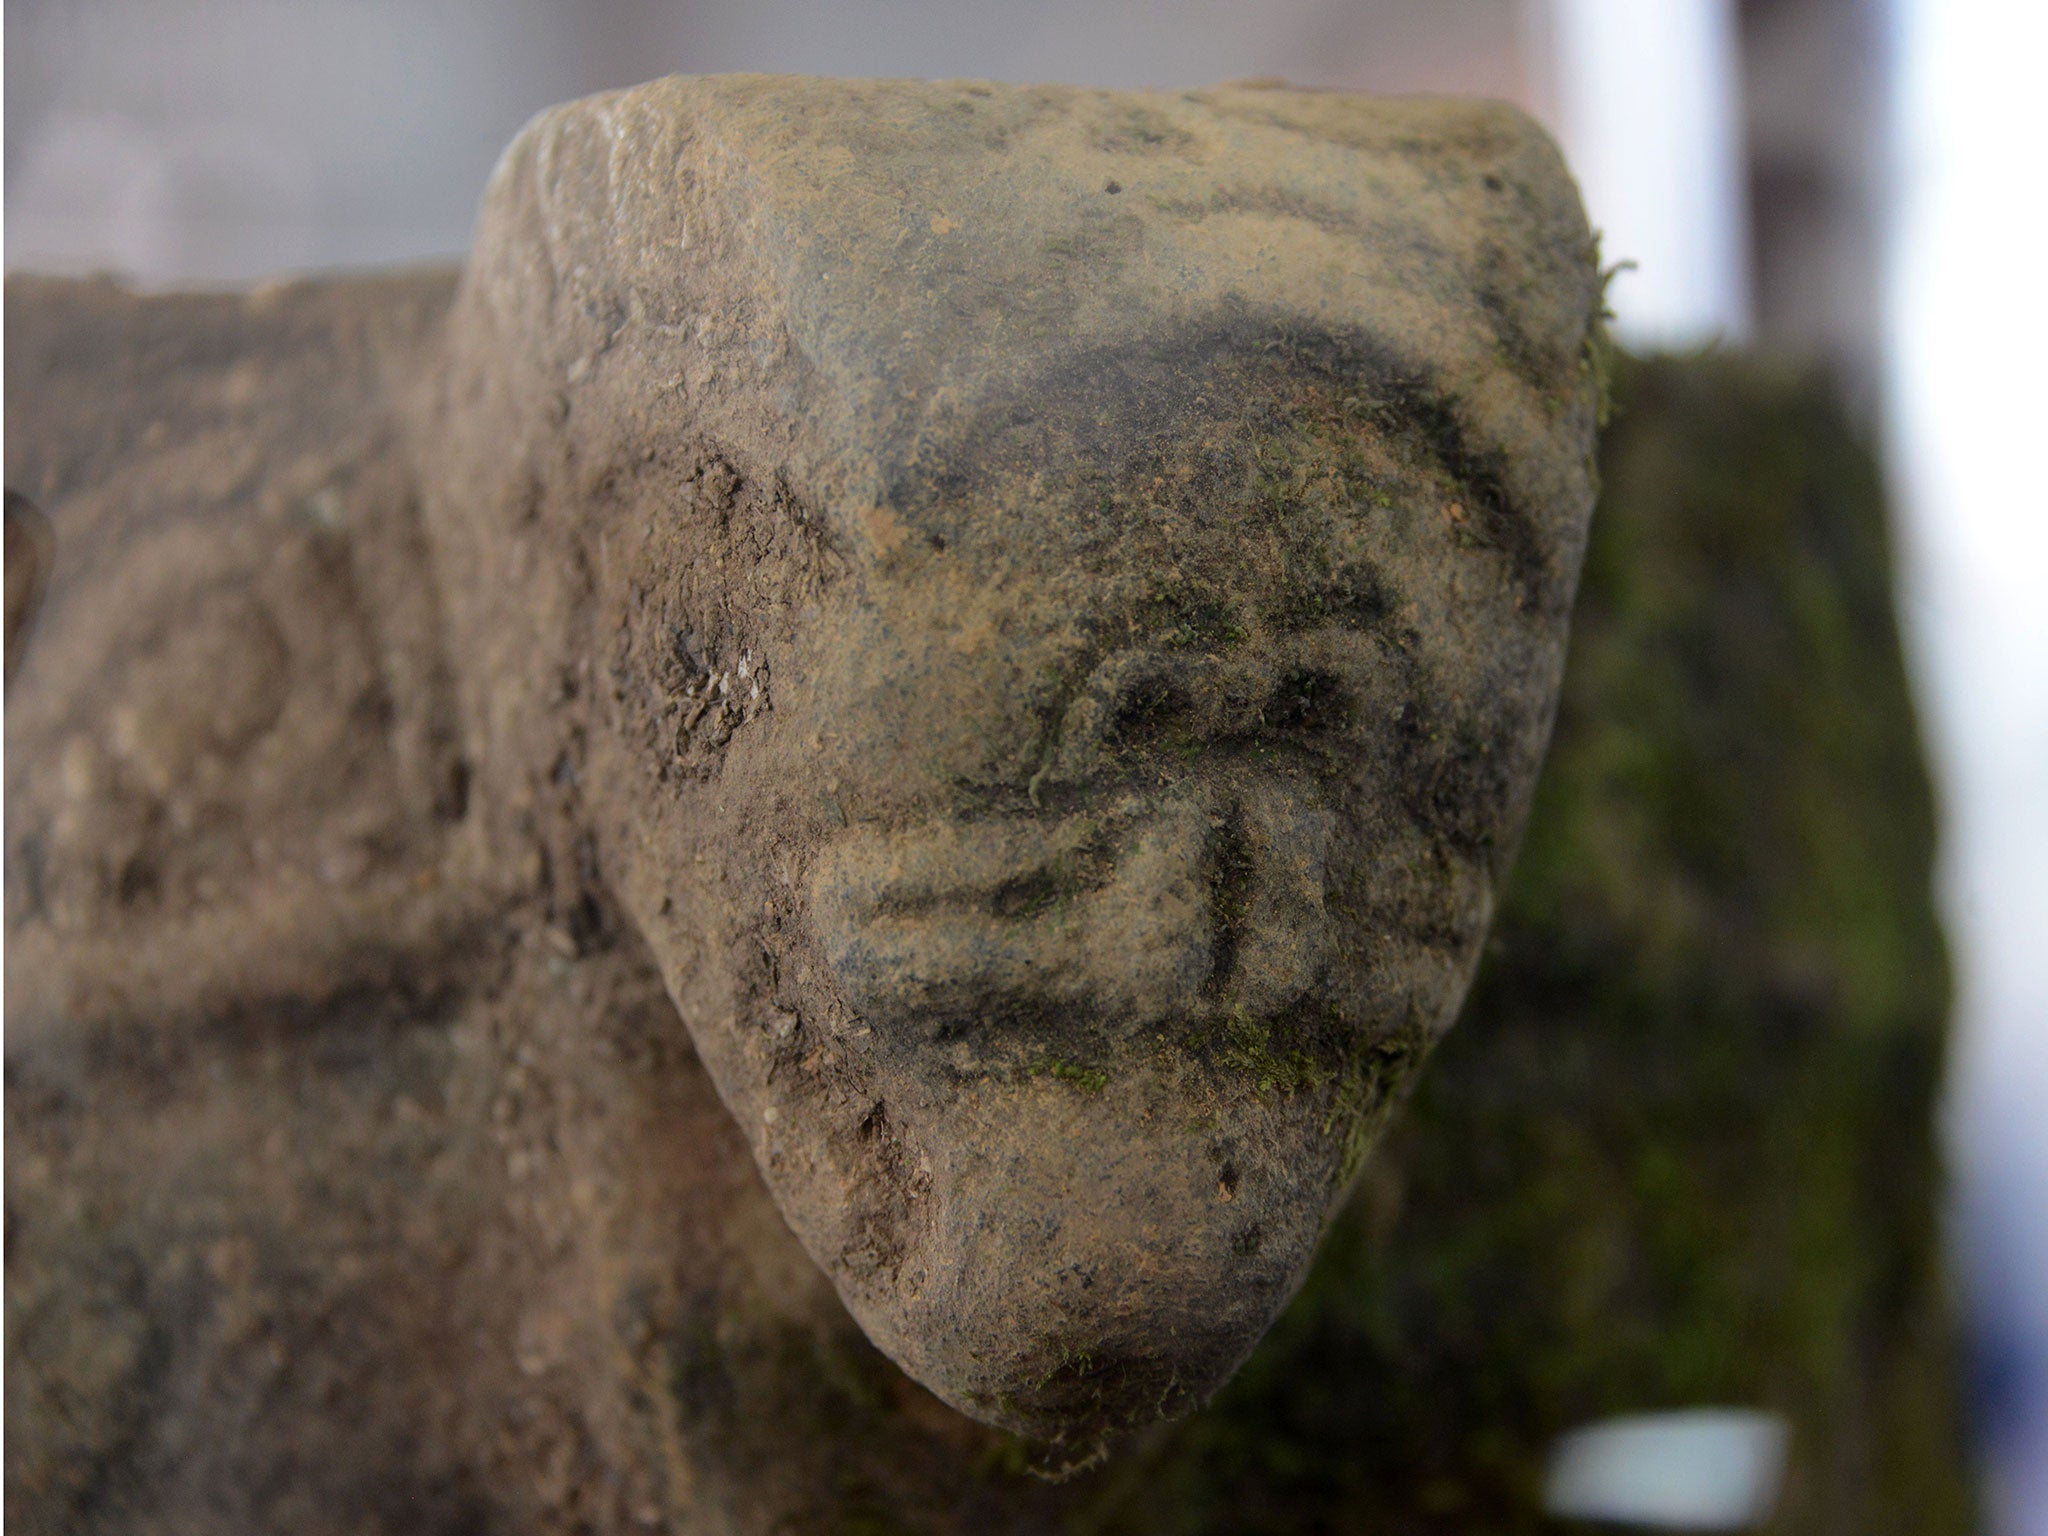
1145,707
1310,700
1358,599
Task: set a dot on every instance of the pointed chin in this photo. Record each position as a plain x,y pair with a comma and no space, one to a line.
1094,1251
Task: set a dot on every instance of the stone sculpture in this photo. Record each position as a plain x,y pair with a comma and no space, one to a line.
1024,620
1680,1150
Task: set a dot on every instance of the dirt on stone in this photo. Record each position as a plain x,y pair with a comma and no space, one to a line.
836,637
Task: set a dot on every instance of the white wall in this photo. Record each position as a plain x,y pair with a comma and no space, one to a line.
1646,99
219,140
1970,342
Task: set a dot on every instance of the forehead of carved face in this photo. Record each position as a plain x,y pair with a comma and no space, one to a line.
1121,833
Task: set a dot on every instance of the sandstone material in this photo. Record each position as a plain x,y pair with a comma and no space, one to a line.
1129,665
1681,1148
1022,619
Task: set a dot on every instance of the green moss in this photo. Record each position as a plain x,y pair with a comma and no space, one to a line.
1090,1078
1181,618
1679,1150
1366,1090
1005,1456
1601,356
1243,1047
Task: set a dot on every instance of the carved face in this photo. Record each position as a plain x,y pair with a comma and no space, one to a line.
1098,845
1082,579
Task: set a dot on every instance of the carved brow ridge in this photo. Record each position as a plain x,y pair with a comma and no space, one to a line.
1107,397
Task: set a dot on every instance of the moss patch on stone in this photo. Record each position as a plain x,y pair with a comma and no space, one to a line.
1679,1150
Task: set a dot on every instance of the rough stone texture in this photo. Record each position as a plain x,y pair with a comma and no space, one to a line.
1680,1149
1015,627
1061,755
361,1177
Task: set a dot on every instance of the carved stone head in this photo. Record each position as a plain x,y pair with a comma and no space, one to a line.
1043,609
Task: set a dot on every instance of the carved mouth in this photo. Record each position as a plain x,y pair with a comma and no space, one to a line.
1203,903
1171,864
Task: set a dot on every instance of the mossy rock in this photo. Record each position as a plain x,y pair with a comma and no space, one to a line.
1680,1149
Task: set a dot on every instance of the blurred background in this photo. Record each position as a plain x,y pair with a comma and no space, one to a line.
1849,183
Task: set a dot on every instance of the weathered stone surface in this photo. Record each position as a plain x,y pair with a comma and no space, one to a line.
1131,653
1023,620
1681,1148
